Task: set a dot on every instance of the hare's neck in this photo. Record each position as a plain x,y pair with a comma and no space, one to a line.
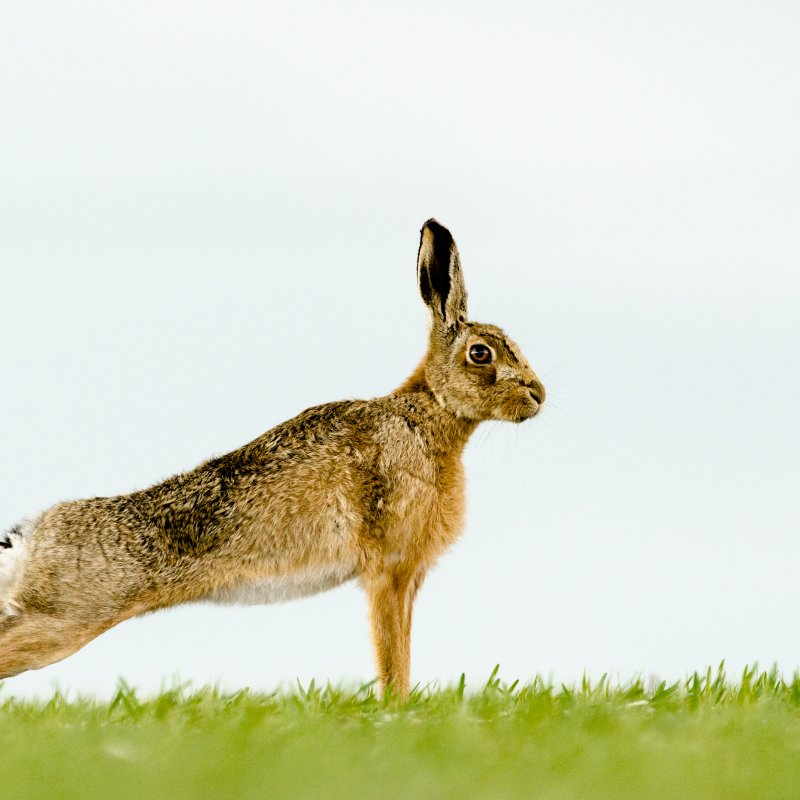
416,381
452,432
449,431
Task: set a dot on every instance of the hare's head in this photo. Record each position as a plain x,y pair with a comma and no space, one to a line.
473,369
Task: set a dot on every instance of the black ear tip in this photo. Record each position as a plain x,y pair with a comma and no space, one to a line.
438,230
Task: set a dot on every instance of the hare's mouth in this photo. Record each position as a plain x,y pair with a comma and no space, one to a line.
519,410
531,403
528,412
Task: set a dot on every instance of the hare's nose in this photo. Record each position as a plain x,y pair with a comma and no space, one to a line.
536,391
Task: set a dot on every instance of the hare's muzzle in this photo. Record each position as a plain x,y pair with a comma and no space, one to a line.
533,397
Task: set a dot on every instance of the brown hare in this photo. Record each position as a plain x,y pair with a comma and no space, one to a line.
371,490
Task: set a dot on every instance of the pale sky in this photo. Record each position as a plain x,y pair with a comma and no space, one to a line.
623,182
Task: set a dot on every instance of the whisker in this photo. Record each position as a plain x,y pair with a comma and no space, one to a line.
556,407
554,368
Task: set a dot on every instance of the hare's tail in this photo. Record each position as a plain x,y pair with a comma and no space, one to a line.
14,544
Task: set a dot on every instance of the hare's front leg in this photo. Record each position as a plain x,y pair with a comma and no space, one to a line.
391,598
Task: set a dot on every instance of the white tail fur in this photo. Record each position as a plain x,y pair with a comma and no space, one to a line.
13,551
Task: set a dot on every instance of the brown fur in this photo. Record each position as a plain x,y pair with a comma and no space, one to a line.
373,489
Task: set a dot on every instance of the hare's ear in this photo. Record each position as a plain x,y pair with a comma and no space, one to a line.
441,283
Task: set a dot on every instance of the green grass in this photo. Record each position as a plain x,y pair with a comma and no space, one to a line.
701,738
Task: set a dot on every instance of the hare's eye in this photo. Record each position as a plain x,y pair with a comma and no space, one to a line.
480,354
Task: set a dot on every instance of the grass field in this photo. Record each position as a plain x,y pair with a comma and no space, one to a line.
701,738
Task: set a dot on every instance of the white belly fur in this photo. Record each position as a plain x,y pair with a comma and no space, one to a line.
280,588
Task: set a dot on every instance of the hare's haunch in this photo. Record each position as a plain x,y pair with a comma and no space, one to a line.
366,489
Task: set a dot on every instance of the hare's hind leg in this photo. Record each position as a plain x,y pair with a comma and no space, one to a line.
31,636
32,641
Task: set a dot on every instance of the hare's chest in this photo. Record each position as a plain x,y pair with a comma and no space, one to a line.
427,511
289,586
